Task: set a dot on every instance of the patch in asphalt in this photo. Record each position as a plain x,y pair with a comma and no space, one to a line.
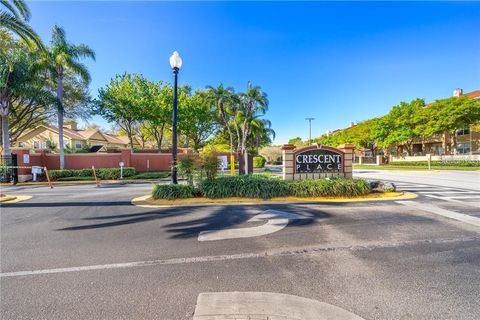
270,253
265,306
276,221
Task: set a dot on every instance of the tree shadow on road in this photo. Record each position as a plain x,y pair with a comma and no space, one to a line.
237,216
206,218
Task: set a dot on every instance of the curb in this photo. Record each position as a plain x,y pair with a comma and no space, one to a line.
7,198
144,201
15,199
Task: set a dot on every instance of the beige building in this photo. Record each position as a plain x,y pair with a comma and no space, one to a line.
46,137
467,139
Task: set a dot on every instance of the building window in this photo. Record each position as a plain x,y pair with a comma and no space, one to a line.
463,131
78,145
36,145
438,151
463,148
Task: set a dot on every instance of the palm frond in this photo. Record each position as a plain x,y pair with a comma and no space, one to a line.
22,8
20,28
80,69
82,51
11,8
59,37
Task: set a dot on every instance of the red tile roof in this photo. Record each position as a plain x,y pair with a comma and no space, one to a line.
474,94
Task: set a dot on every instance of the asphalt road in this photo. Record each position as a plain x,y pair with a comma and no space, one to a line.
82,252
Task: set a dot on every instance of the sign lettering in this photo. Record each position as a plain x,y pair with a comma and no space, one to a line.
318,161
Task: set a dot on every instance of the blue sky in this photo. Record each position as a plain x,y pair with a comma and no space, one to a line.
335,61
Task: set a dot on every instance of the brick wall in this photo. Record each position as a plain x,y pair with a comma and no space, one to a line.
140,161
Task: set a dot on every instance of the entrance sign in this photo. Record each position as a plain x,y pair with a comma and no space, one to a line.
317,162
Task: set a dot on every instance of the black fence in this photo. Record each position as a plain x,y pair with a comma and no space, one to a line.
8,169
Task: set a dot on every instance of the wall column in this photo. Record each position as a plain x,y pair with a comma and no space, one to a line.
24,174
126,157
287,161
348,158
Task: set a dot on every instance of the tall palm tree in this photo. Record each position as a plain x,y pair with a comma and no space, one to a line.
261,132
14,18
223,97
63,56
254,104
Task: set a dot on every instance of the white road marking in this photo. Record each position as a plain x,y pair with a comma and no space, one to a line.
265,305
472,204
463,197
452,192
276,221
280,252
443,212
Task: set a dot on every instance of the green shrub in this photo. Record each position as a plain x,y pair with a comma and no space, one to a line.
261,186
186,168
152,175
173,191
102,173
329,188
210,163
76,179
259,162
436,163
114,173
247,186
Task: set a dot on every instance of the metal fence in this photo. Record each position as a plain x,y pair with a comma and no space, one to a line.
8,169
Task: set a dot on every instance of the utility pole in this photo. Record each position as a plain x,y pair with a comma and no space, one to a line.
310,130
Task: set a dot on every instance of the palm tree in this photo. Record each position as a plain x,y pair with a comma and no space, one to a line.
223,97
14,18
254,104
261,132
63,56
18,78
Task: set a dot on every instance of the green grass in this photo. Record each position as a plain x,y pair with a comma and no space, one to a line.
420,168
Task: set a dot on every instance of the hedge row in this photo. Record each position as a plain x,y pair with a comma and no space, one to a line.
173,191
329,188
247,186
102,173
436,163
258,186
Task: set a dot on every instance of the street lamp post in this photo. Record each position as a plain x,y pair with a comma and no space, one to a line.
310,130
175,63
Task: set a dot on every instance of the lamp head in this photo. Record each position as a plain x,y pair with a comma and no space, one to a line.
175,61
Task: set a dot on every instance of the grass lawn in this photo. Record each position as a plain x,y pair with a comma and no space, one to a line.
409,168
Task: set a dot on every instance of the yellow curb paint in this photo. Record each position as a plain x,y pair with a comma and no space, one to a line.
147,202
16,199
7,198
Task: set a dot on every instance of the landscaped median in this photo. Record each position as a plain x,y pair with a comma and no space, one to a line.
260,188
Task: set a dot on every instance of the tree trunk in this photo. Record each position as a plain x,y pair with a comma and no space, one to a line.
241,162
5,135
453,147
60,121
444,142
130,138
